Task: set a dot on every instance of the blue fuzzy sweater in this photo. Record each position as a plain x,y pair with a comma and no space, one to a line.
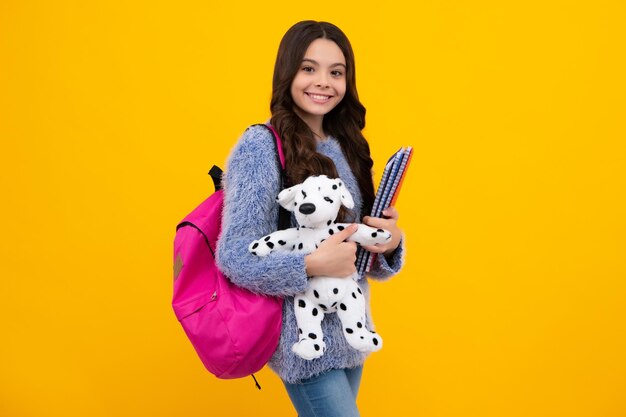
251,184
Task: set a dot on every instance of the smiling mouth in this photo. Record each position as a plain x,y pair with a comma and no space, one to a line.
320,98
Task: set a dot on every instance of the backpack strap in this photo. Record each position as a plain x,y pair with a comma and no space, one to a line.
279,145
216,175
284,216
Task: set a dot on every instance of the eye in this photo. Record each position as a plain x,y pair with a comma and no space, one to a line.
336,73
328,199
303,194
308,68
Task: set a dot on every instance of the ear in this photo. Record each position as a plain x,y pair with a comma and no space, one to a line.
287,196
346,197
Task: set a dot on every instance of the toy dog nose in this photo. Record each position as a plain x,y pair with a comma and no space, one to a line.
307,208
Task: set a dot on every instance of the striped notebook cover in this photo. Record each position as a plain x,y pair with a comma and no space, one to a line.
386,196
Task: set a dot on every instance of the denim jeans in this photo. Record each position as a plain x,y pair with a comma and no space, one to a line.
331,394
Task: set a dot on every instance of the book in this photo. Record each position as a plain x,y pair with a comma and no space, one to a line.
363,254
386,195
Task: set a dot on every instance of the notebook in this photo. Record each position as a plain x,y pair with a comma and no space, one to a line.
386,195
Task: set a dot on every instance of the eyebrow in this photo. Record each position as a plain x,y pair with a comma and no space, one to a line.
338,64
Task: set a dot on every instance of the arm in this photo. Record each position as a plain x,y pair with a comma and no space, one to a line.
386,266
251,184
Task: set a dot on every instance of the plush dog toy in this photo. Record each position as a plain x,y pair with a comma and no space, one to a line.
316,203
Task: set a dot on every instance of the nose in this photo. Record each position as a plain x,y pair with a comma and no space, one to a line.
307,208
322,82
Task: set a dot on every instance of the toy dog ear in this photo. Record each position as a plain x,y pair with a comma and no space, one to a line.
346,197
286,197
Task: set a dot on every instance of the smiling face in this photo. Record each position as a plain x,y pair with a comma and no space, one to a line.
320,83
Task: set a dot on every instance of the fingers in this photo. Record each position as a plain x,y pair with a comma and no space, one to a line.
388,222
375,249
377,222
352,246
344,234
333,257
391,213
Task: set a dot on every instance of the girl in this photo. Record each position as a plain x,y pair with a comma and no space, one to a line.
317,113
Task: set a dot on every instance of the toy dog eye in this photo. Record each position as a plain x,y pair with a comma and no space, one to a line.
303,193
328,199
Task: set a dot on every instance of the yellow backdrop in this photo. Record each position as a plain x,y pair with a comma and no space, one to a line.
512,302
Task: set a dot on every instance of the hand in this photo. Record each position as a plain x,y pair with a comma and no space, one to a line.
334,257
388,223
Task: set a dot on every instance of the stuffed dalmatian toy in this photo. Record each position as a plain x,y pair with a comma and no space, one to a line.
316,203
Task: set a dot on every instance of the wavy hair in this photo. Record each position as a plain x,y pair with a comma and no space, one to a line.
344,122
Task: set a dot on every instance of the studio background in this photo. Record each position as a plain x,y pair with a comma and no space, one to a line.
512,300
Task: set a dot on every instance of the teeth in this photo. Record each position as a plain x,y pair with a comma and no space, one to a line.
318,97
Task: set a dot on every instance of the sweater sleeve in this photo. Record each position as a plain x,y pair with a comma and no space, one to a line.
251,184
384,267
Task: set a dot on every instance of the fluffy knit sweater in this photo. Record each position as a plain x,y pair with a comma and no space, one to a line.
251,184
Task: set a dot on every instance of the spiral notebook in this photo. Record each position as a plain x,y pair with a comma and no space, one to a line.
386,196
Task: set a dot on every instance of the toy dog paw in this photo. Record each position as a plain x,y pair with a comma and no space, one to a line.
309,349
261,247
380,236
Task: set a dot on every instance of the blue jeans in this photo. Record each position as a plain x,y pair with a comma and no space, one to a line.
331,394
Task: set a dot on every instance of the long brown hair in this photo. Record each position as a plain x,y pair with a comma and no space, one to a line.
344,122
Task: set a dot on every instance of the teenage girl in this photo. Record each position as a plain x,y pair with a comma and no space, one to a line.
316,111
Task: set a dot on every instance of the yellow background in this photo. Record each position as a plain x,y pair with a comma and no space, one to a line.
513,298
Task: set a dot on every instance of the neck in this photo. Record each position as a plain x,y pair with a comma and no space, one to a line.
314,122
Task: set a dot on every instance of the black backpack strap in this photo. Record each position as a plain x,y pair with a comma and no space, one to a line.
216,175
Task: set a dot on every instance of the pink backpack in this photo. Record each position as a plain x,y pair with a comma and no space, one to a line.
234,331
